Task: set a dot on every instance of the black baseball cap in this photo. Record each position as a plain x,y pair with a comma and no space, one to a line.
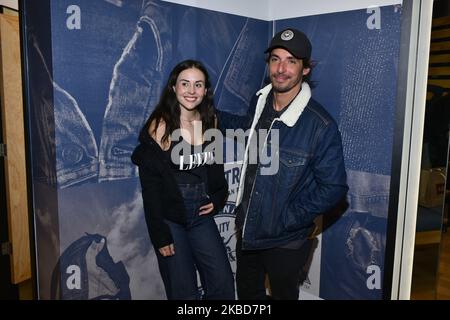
294,41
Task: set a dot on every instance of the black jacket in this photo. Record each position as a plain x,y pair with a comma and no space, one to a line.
160,193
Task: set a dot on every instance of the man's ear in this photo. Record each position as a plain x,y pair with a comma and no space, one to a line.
306,71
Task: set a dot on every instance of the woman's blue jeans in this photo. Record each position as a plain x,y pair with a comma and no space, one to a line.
198,246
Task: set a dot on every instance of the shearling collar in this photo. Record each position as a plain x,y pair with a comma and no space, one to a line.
295,109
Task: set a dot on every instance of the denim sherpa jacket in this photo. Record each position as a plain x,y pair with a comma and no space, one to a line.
310,179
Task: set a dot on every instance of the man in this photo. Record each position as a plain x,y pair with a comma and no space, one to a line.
276,208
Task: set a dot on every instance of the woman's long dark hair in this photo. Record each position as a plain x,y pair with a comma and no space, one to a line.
168,108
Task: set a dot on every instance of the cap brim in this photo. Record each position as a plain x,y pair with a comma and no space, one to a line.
269,49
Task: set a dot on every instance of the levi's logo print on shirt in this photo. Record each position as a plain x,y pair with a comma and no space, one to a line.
189,162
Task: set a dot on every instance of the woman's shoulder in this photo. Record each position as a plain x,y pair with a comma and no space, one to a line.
140,155
148,154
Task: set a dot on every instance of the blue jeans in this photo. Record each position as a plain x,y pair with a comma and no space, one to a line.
198,247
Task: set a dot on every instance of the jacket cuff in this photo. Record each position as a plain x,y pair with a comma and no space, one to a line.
161,236
219,199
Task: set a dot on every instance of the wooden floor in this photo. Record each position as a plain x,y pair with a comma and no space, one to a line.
443,287
26,290
431,260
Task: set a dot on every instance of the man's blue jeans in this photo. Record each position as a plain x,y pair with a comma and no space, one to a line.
198,246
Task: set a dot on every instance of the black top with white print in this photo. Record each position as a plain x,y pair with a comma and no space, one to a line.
189,161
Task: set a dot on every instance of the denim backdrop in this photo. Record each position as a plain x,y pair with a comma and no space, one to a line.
95,72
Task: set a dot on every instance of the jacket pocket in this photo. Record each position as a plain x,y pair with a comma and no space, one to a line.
292,167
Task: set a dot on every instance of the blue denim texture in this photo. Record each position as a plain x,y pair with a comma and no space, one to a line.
135,87
98,114
90,253
198,246
357,240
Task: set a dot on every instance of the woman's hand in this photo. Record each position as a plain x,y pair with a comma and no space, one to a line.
167,251
205,209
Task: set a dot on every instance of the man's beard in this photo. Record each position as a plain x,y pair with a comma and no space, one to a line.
279,89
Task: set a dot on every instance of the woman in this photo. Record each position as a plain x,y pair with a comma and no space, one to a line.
181,191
